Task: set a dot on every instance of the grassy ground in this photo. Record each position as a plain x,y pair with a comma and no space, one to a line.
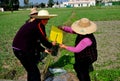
106,67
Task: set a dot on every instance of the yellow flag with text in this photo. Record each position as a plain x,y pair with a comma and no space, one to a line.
56,35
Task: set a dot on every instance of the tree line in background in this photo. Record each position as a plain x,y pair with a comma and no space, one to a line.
10,5
42,5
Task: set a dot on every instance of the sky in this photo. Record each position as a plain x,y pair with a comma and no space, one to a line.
38,1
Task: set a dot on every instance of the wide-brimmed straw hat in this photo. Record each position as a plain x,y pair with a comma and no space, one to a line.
33,11
43,14
84,26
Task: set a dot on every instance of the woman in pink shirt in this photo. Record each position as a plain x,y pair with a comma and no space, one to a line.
85,49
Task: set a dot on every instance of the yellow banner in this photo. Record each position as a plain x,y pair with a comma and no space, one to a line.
56,35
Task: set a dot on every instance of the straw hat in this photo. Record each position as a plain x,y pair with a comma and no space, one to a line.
84,26
43,14
33,11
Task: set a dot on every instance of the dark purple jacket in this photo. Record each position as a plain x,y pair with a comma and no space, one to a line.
29,37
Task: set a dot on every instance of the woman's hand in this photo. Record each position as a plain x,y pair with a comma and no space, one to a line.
47,51
54,43
63,46
60,27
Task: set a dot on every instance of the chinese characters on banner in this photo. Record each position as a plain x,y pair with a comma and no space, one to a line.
56,35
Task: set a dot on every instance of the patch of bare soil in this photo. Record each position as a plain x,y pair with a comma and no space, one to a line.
108,45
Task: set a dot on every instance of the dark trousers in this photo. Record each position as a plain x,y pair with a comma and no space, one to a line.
82,70
29,62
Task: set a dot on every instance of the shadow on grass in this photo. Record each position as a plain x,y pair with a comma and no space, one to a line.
64,60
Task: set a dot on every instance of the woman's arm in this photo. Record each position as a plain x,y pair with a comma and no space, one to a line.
79,47
66,29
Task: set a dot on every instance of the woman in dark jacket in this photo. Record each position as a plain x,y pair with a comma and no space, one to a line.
27,44
85,49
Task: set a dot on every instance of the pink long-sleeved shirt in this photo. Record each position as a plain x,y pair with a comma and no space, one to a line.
81,45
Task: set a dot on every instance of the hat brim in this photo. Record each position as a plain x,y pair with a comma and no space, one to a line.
32,13
43,17
84,30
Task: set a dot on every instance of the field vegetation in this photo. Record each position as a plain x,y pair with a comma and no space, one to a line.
106,68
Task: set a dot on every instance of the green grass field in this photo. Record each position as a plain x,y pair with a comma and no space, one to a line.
106,69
